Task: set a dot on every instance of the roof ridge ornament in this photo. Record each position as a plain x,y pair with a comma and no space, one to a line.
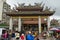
30,5
47,9
21,4
38,4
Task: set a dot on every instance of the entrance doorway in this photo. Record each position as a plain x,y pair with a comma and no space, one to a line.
30,27
43,27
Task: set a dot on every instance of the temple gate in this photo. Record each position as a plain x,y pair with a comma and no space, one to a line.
31,17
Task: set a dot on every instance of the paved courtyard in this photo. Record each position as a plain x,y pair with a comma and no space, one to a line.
48,39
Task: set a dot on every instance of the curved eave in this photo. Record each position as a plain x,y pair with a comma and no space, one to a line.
30,14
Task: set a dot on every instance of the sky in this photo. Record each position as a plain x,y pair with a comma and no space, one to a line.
53,4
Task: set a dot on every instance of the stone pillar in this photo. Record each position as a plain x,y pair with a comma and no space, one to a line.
48,22
39,23
11,23
19,24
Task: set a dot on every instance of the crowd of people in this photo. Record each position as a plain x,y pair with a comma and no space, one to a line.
15,35
27,35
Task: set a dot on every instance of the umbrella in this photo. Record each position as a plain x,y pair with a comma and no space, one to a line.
57,30
54,29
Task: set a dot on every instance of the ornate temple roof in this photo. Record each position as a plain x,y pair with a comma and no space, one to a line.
36,7
35,10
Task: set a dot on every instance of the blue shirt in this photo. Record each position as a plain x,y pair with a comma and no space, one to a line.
30,37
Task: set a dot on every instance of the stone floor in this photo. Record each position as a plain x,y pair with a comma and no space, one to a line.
48,38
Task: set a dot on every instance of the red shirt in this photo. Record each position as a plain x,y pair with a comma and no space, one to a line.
22,37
